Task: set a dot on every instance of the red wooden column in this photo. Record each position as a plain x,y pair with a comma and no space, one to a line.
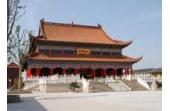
112,72
51,71
115,72
75,72
104,72
64,71
38,72
128,71
125,72
28,73
93,73
131,71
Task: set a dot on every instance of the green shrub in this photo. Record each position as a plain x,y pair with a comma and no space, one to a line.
73,86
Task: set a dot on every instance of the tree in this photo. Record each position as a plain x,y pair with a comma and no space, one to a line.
19,51
17,42
14,12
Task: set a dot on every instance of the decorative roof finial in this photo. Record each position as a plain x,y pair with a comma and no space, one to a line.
42,20
99,26
72,23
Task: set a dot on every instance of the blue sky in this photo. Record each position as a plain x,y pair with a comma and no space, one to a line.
138,20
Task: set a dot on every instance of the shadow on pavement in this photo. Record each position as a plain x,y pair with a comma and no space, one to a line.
26,104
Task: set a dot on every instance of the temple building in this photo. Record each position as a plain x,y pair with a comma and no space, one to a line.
72,49
12,73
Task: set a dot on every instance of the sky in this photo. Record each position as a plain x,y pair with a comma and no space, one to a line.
137,20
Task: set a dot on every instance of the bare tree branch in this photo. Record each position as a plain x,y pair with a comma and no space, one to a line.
20,45
14,12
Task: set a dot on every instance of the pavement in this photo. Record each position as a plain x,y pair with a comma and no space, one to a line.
108,101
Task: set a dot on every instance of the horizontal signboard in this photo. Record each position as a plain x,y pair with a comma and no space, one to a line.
82,51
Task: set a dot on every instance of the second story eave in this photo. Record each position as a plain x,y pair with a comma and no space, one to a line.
40,40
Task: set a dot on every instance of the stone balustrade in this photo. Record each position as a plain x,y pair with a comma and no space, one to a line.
145,76
33,81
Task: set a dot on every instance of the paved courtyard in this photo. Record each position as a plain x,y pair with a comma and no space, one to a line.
113,101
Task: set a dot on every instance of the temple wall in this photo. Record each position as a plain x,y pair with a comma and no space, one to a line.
117,51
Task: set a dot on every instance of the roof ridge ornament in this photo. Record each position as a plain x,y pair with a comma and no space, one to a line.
99,25
42,20
72,23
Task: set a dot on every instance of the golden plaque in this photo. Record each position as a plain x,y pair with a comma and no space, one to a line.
83,51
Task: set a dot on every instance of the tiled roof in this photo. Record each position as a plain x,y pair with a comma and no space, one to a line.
12,65
157,70
76,33
149,70
87,59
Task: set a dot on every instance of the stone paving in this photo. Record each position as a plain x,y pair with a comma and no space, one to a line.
112,101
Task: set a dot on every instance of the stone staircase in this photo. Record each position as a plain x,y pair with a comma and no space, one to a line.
60,87
51,87
30,85
134,85
33,87
118,85
50,84
96,86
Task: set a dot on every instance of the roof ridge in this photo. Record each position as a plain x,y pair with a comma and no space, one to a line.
115,40
42,28
72,25
110,37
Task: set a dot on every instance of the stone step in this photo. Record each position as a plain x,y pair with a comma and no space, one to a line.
54,87
134,85
96,86
118,86
57,87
